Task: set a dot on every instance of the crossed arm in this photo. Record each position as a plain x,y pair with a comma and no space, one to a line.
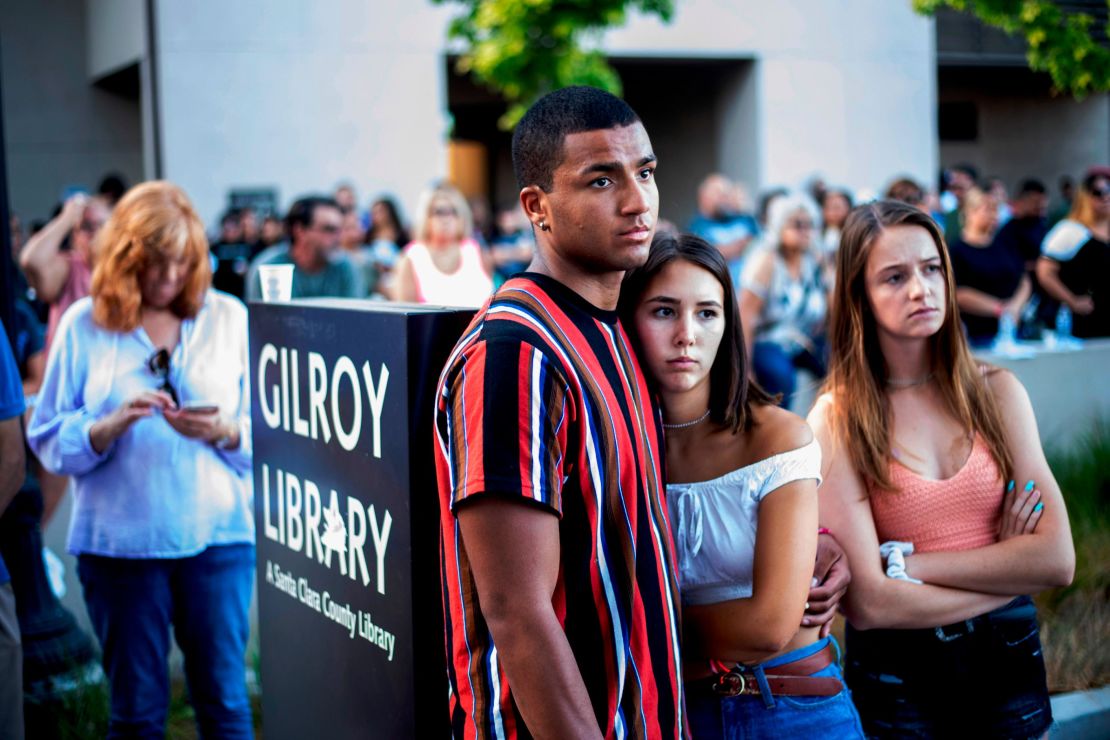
753,629
958,585
873,599
1028,563
513,550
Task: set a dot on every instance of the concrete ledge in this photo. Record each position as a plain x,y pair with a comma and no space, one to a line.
1081,714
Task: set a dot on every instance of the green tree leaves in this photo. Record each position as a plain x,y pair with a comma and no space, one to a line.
1060,43
525,48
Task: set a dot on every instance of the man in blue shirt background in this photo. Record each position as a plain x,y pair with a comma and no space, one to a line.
722,222
11,478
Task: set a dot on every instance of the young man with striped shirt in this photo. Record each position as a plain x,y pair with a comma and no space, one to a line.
559,578
560,588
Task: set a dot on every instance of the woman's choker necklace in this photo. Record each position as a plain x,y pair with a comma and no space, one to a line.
688,424
909,383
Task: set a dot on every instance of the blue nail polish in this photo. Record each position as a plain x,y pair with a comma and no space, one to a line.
1029,486
1038,507
1009,486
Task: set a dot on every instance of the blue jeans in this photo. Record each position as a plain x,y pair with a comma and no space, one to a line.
983,678
734,717
132,604
777,370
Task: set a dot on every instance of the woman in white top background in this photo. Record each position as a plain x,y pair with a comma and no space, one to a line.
443,264
742,496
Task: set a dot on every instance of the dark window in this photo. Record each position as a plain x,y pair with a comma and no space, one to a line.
958,122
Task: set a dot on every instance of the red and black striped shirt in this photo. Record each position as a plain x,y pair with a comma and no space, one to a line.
543,398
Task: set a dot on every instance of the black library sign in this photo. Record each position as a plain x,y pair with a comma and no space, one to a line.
350,617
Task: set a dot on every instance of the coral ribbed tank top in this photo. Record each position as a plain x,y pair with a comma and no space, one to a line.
959,513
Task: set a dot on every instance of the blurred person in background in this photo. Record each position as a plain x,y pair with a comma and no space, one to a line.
272,232
835,206
816,187
997,189
990,276
346,198
58,260
513,246
320,269
12,466
766,200
1060,211
232,255
20,287
248,222
722,221
959,180
443,264
352,242
15,229
783,299
482,219
1027,227
1023,234
385,237
909,192
1074,267
146,404
111,189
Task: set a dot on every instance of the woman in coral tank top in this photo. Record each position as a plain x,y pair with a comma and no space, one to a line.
937,486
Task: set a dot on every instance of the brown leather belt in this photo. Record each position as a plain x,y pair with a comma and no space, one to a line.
789,679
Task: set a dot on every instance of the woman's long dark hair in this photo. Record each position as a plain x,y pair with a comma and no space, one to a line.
395,216
731,390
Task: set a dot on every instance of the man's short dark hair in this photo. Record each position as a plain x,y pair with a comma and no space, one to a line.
1032,186
112,187
538,139
303,211
967,169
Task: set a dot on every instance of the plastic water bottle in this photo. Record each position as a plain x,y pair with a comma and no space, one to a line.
1063,323
1007,331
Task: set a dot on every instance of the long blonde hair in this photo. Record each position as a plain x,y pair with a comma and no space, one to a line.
857,373
153,220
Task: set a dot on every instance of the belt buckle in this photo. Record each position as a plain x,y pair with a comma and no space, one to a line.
730,684
968,627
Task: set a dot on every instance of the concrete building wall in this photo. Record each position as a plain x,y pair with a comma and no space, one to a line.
300,96
1024,136
116,34
844,89
59,130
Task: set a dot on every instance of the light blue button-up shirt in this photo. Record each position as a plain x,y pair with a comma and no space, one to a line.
153,493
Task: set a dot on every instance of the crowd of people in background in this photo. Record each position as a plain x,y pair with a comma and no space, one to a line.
1017,259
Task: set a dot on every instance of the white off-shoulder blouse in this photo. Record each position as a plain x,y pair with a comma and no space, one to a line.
714,523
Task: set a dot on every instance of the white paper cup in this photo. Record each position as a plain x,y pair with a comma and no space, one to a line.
277,282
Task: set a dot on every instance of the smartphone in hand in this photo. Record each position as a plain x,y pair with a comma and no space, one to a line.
200,407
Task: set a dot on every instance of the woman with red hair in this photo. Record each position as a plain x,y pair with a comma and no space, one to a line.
146,404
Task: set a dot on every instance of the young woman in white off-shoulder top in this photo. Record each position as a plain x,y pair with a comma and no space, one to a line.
742,497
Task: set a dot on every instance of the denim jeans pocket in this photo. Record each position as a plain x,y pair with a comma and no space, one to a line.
811,702
1018,633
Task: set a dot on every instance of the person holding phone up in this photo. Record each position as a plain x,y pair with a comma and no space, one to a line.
146,403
